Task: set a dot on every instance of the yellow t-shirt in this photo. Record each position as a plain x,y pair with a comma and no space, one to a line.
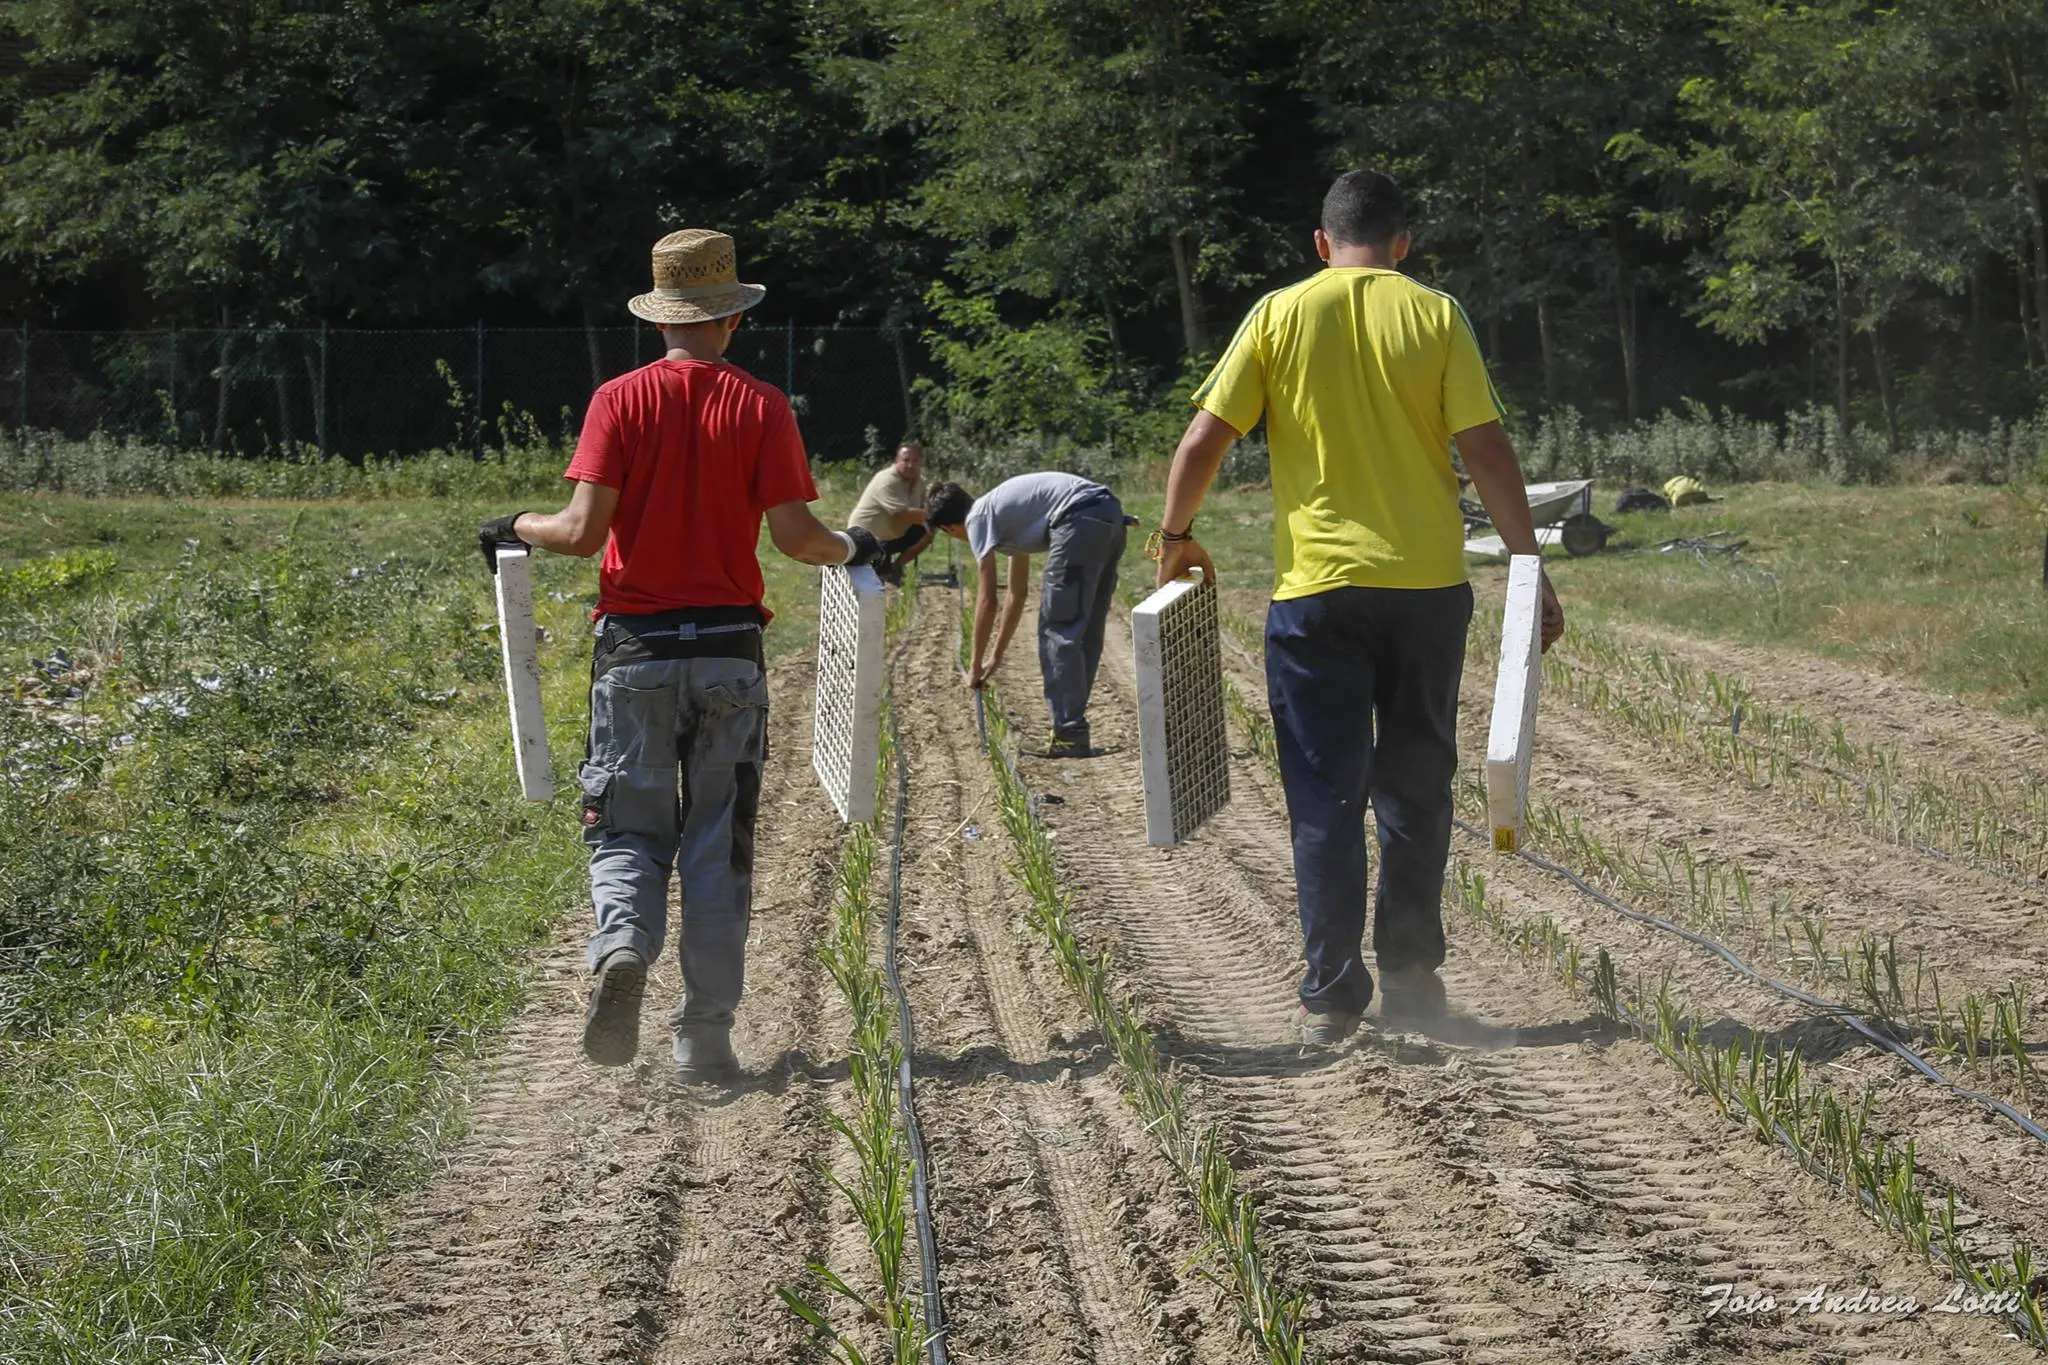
1363,376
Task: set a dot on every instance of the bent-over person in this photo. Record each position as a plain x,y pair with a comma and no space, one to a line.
1078,525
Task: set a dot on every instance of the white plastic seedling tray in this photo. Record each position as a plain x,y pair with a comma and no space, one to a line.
518,642
1183,738
1512,736
847,742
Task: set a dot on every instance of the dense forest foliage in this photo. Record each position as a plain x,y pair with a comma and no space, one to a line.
1741,203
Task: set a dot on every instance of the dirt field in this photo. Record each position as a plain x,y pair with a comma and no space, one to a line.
1521,1183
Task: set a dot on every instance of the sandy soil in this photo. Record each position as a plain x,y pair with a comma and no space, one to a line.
594,1216
598,1215
1517,1184
1522,1186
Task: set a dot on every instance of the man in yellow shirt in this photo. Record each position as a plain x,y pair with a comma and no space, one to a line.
1364,378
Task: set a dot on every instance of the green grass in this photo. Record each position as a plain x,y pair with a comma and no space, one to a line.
1938,584
262,885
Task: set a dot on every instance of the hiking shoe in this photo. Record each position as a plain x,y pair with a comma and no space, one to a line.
705,1057
1412,993
1326,1029
611,1026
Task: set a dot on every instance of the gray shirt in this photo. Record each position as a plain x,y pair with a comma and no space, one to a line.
1016,516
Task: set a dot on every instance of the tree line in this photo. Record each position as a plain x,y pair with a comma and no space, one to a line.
1743,203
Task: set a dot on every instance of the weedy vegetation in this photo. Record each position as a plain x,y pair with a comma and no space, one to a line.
263,879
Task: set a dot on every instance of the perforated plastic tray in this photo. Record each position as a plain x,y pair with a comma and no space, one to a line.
1183,736
847,735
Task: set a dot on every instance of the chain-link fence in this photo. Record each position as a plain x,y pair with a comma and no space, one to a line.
355,392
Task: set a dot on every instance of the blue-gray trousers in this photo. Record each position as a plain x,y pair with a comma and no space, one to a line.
673,783
1073,609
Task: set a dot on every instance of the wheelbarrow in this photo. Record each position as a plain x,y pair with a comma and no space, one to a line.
1562,512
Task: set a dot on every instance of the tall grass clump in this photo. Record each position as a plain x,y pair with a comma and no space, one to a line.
263,877
102,466
1805,446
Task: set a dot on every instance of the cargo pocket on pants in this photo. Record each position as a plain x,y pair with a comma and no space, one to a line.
1062,594
597,782
734,728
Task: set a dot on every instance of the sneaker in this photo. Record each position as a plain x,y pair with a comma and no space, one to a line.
1415,993
1067,746
611,1026
705,1057
1326,1029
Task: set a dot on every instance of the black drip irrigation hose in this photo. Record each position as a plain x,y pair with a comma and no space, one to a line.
1841,1013
935,1325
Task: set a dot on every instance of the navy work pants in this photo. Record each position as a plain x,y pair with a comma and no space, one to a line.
1363,685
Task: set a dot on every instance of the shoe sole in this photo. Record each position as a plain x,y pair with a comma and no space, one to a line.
611,1033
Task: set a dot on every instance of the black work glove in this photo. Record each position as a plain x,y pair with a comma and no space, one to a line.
909,540
866,549
494,533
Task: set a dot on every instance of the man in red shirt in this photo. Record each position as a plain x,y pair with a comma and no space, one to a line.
677,465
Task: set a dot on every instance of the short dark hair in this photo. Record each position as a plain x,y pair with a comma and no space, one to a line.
946,505
1364,208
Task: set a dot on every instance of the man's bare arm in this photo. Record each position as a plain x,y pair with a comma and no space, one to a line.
1013,605
1497,476
799,534
984,618
578,529
1202,448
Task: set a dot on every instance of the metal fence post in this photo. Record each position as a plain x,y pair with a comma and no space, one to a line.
176,425
789,361
476,429
21,421
320,412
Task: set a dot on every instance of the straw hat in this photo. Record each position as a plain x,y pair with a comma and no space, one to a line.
696,279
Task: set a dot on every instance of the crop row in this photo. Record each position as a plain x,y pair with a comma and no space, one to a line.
1978,1030
879,1190
1717,721
1764,1088
1269,1315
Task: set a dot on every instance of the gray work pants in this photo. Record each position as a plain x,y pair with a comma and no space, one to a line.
674,775
1073,609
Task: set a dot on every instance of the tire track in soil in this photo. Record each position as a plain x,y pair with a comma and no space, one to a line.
1991,1165
1554,1198
591,1215
1062,1230
1825,869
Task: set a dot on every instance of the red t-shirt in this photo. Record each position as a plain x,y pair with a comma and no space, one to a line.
698,451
